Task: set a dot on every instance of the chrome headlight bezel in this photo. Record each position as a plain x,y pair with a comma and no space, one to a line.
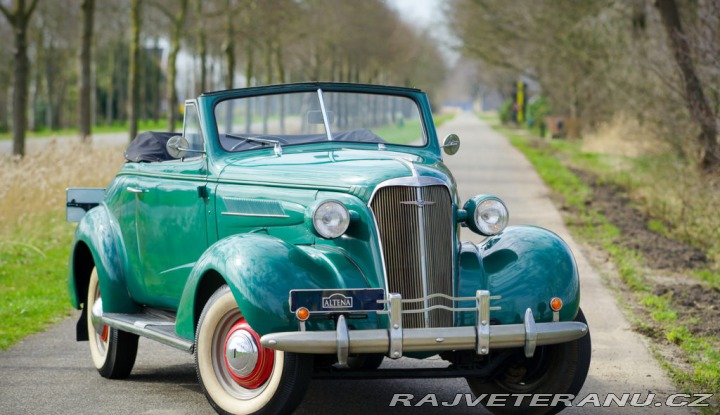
486,215
330,219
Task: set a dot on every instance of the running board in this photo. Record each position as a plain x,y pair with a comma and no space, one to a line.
158,328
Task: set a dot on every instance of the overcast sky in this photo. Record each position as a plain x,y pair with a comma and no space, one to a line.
423,11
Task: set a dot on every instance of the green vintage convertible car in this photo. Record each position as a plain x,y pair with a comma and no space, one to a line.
312,230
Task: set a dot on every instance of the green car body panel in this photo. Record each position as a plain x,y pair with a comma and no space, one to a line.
165,230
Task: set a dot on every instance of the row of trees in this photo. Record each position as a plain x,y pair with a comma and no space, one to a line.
79,63
657,61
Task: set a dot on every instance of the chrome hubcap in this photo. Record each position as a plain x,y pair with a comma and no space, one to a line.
241,353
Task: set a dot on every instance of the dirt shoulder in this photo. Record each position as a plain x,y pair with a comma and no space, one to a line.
668,261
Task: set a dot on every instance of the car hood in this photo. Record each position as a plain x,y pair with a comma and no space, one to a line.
347,170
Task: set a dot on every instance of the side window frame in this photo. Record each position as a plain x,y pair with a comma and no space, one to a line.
191,107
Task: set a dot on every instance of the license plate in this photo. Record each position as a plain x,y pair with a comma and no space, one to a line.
337,301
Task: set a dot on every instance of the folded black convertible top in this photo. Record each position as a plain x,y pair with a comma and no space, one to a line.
149,146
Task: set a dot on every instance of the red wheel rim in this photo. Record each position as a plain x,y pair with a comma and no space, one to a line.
250,364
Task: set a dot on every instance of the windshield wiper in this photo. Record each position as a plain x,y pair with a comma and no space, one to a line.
275,143
326,120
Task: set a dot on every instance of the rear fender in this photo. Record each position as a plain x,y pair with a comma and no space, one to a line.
527,266
98,242
260,271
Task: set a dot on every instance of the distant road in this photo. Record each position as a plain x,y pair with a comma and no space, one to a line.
35,144
51,373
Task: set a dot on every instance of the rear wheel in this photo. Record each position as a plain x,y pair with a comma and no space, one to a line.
113,351
553,369
237,374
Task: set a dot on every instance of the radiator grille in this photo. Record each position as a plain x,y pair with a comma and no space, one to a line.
408,248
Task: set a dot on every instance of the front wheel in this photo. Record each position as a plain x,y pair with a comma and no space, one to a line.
553,369
237,374
113,351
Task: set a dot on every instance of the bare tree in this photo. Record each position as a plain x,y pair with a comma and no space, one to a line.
88,12
697,104
177,23
19,18
229,45
134,75
201,46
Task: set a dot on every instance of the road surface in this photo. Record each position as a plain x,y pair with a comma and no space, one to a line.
51,373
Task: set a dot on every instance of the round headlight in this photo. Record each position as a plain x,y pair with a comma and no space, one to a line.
488,215
331,219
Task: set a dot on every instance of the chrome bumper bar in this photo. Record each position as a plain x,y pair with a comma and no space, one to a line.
394,341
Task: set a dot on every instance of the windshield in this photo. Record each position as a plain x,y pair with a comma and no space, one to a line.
302,117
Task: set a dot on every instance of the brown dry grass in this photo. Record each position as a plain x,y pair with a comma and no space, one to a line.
624,136
34,186
683,199
666,187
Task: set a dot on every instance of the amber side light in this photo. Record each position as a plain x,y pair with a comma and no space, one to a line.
556,304
302,313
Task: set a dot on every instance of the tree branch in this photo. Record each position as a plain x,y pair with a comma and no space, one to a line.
163,10
6,12
31,9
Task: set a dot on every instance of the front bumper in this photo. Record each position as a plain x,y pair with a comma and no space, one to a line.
394,341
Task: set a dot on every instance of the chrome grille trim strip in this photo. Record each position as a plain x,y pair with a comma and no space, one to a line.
440,295
423,254
434,307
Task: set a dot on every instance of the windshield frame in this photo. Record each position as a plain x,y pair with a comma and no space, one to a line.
321,89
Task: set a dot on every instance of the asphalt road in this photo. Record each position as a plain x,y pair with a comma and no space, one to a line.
50,373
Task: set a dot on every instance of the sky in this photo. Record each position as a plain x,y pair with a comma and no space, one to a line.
428,15
423,11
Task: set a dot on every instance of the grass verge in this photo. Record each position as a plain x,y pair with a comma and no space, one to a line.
660,316
33,265
34,237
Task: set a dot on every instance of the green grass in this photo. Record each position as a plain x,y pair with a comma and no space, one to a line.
143,125
407,131
551,160
33,268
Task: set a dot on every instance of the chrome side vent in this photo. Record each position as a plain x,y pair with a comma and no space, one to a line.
415,225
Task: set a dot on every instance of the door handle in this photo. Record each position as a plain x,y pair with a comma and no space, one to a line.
135,190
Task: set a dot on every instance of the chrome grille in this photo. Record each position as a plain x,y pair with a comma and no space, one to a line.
415,225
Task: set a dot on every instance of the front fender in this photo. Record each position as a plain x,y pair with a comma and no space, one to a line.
260,271
526,266
99,233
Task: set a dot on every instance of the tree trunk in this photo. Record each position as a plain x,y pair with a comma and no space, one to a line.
281,80
229,47
177,26
110,98
88,10
51,72
134,74
202,48
19,19
699,108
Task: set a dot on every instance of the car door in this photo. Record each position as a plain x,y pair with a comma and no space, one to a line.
171,220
